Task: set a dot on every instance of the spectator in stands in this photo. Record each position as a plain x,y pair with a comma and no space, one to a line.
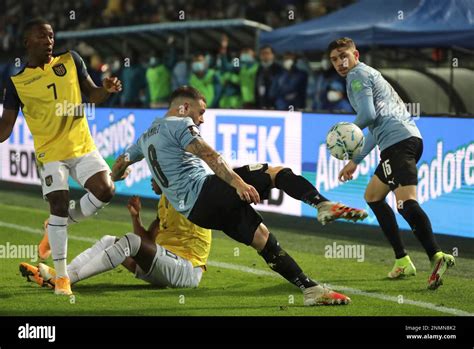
289,89
134,81
267,73
180,74
321,82
336,98
158,76
248,76
206,80
228,69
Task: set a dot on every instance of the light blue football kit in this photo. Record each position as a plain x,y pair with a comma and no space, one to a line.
179,173
379,108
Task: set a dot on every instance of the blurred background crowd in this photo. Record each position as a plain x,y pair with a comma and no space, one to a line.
230,73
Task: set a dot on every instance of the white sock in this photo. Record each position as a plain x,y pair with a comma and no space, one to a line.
86,207
110,258
84,257
57,234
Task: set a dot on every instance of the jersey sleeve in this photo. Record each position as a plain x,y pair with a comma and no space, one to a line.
11,100
369,144
80,65
134,152
361,89
186,132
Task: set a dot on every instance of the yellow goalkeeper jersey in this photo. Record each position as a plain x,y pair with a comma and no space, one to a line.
51,101
182,237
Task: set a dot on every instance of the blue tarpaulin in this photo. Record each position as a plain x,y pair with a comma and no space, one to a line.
402,23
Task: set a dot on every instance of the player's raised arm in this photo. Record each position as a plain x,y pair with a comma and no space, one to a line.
89,88
220,167
134,207
361,89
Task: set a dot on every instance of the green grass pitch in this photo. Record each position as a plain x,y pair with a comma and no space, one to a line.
234,284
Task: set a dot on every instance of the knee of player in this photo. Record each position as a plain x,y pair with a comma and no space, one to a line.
106,192
278,173
59,207
260,237
130,244
407,207
107,241
370,197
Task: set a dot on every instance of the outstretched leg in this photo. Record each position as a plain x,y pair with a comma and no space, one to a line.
280,261
301,189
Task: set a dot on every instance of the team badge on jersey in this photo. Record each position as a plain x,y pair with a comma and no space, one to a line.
194,130
48,180
59,69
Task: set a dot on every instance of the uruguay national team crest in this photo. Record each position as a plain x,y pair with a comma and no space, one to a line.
48,180
194,130
59,69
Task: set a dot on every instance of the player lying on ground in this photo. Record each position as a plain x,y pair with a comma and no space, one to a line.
48,91
173,251
390,127
173,149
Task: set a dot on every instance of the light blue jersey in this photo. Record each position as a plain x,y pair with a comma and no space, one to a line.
179,174
379,108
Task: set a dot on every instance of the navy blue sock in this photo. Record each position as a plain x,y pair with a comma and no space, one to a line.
298,187
388,223
421,226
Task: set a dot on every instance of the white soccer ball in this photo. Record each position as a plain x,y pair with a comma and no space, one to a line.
345,140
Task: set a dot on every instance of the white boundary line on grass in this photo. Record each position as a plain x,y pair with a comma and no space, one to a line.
381,296
244,269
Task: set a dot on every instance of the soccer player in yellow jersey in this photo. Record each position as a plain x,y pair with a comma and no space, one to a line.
48,91
173,251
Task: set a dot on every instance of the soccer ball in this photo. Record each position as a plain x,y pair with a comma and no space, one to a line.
345,140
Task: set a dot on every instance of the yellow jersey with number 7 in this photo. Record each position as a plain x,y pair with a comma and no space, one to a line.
51,102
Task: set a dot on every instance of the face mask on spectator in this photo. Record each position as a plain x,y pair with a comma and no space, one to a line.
288,63
198,67
334,96
266,64
153,62
246,58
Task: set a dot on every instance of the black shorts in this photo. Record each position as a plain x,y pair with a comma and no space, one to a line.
397,167
220,207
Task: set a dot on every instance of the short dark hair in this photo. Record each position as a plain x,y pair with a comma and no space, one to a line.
341,43
264,47
187,92
32,23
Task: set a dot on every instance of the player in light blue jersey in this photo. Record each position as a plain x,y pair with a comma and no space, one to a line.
175,151
391,127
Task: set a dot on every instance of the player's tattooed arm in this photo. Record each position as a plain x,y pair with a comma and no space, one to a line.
6,123
213,159
220,167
